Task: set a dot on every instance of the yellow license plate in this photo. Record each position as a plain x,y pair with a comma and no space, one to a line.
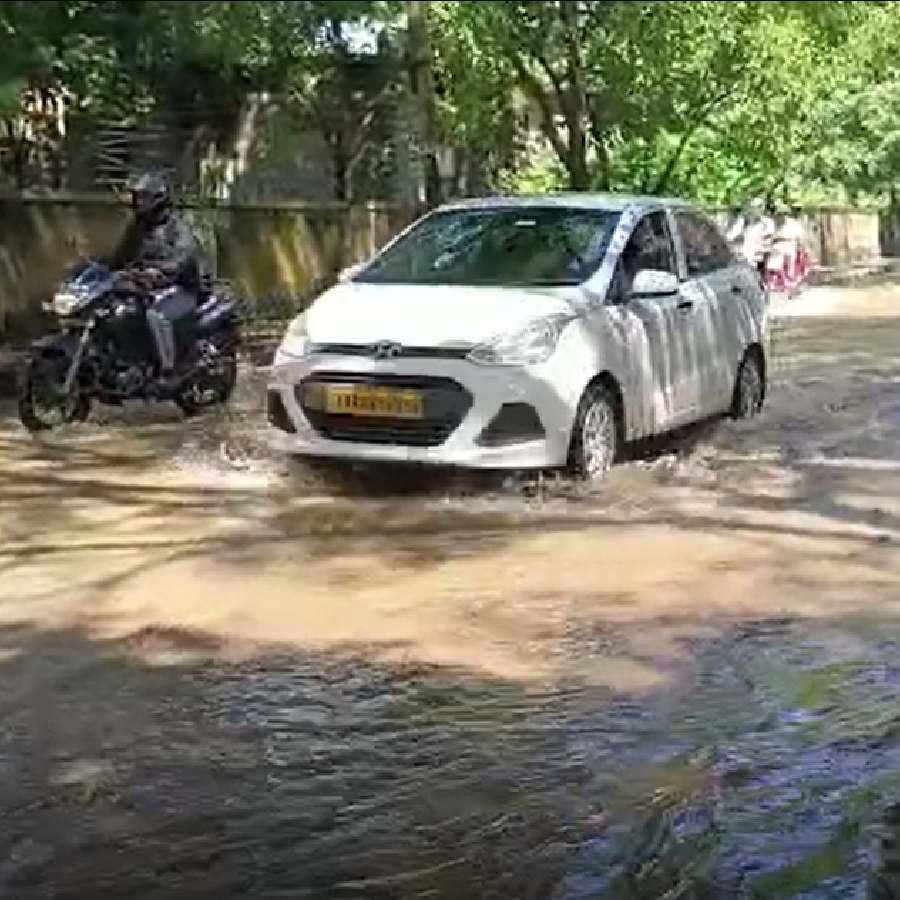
376,402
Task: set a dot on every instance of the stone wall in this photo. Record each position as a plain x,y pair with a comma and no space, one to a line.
848,237
836,237
275,249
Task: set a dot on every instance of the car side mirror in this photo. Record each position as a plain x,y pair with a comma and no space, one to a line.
348,273
653,283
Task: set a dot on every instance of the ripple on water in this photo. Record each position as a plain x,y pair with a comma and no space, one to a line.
769,769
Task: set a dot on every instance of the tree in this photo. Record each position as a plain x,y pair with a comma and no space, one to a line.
709,98
475,97
604,74
713,99
790,130
200,61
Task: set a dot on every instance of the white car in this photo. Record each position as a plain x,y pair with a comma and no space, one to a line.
525,333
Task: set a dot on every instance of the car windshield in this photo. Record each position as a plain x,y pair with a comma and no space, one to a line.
508,246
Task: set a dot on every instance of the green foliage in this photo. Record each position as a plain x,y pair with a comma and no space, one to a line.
715,99
603,76
110,53
533,178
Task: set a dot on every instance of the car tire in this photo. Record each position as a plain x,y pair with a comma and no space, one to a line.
749,387
596,434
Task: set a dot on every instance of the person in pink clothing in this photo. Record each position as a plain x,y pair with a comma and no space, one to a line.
787,266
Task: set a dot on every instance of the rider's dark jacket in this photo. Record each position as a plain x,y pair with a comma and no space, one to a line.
167,245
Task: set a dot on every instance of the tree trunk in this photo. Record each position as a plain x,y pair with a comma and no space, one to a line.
422,86
601,180
574,100
576,165
341,172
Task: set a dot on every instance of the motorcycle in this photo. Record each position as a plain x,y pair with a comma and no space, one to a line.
787,270
104,350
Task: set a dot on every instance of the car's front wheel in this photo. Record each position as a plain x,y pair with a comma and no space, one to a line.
595,435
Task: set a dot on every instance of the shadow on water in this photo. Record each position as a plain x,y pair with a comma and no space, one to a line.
294,775
151,767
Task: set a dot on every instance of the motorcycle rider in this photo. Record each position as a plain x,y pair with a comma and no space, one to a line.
162,257
788,262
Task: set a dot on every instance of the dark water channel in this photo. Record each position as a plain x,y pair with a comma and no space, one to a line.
769,768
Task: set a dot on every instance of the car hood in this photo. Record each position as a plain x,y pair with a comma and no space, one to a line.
430,315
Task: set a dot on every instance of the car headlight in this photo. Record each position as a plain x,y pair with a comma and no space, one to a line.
534,344
295,344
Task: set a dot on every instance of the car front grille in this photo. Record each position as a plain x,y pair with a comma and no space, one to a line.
445,403
401,351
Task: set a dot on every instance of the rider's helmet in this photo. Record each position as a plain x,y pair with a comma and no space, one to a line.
151,197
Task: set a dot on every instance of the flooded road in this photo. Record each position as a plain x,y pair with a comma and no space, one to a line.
223,674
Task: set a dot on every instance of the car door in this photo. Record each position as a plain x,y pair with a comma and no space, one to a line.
652,334
709,291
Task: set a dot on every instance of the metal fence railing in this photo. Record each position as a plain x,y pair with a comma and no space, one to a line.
264,318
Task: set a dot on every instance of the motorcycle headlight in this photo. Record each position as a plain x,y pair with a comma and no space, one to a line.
65,303
534,344
296,343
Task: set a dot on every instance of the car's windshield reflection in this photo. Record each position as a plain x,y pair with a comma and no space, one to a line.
498,247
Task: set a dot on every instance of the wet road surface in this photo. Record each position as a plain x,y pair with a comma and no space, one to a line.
225,674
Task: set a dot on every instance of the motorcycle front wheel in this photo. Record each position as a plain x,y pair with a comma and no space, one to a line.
43,401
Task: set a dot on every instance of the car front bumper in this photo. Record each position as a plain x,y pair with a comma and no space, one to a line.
489,388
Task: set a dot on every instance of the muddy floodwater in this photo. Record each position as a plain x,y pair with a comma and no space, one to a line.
227,674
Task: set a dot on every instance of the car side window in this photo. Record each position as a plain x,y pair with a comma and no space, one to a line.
649,247
705,250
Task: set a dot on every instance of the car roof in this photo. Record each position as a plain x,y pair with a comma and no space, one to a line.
607,202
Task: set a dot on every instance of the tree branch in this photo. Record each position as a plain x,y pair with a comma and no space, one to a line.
362,139
669,169
694,124
362,129
533,87
551,74
568,13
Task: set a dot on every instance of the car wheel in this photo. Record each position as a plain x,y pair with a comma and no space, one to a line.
595,436
749,388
